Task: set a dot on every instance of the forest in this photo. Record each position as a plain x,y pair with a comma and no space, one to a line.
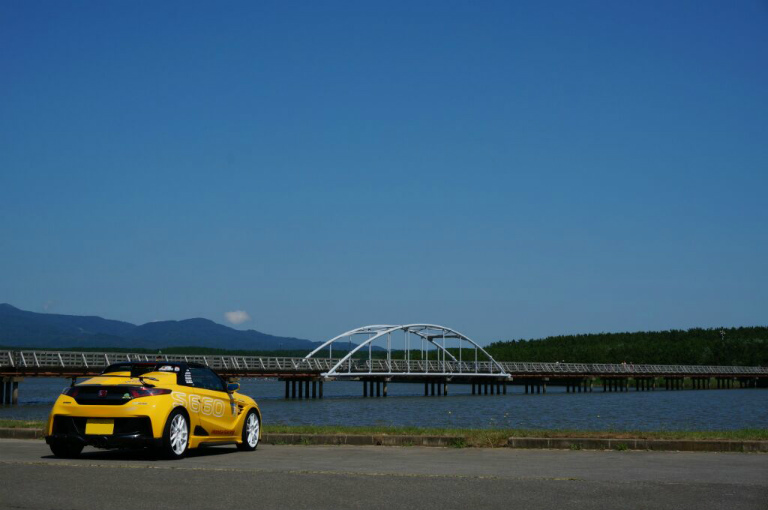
747,346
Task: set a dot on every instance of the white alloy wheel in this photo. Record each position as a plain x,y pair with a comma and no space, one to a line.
179,434
252,430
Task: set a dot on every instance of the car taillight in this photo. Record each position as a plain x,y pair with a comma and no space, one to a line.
71,391
147,392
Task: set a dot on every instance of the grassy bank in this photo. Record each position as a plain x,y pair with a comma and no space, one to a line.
21,424
488,437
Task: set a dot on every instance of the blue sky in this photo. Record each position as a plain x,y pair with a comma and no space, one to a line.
510,169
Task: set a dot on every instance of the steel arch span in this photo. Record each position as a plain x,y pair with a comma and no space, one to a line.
434,353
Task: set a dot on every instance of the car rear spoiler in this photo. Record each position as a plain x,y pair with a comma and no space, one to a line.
141,378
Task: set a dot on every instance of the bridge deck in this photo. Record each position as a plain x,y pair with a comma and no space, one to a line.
32,363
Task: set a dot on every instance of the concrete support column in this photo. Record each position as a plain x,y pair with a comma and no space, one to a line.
426,389
526,388
306,388
5,391
301,389
314,389
505,387
378,388
293,388
321,388
365,389
370,388
473,388
445,388
385,389
287,389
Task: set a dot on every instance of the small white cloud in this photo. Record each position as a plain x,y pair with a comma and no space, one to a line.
237,316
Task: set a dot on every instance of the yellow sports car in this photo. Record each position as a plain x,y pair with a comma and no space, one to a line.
168,406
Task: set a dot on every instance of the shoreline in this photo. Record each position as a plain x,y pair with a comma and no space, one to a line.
741,440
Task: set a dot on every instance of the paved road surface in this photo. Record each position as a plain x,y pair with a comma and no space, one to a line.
341,477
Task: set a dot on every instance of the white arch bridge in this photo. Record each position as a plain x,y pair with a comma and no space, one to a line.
378,354
424,350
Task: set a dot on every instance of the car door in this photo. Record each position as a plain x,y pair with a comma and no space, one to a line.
213,404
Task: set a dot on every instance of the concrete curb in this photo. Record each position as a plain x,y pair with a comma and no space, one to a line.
682,445
361,440
10,433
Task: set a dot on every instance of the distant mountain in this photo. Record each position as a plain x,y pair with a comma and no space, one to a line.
20,328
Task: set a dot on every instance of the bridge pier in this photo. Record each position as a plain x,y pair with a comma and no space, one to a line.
9,390
314,389
385,389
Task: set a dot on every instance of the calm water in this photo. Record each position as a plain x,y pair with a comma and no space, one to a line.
406,405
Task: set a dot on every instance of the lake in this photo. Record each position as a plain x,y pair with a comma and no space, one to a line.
407,406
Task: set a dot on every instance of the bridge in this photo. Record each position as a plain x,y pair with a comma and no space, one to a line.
379,354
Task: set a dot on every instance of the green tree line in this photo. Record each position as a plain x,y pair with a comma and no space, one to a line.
746,346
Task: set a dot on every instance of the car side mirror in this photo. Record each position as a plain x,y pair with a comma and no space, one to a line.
232,387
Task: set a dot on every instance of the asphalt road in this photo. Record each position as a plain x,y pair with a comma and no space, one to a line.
341,477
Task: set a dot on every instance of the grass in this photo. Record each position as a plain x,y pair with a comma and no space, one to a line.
22,424
485,437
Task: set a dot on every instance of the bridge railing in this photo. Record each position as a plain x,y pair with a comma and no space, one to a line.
63,360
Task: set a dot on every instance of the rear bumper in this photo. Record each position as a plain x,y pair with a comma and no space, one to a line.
129,433
107,442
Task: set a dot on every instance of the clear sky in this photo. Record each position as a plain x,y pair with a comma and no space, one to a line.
509,169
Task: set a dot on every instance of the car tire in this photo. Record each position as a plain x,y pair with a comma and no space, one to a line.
250,434
175,435
66,449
